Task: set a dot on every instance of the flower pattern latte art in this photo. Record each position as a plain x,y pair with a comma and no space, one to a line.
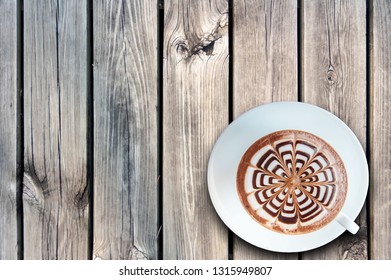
292,182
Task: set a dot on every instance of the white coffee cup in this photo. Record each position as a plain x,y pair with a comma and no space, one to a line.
265,119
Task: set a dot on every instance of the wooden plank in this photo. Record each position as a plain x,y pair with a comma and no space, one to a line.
195,84
334,78
8,129
265,70
55,192
125,129
380,124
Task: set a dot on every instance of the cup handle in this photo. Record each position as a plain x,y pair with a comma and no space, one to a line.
347,223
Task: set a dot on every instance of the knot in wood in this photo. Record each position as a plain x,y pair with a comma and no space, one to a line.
331,75
182,49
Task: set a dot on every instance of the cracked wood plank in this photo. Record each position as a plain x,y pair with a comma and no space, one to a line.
195,84
380,125
55,183
265,70
334,78
125,129
8,129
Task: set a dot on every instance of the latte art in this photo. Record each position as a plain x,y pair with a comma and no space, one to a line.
292,182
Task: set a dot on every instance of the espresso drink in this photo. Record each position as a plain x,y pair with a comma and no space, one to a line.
292,182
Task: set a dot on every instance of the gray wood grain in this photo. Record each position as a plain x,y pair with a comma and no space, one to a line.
195,84
380,124
8,129
334,78
265,70
125,130
55,194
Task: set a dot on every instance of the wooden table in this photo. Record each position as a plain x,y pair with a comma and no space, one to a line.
109,111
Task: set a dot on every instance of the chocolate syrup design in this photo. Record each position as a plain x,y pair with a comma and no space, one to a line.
292,182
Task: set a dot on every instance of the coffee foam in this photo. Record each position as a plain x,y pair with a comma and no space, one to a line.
292,182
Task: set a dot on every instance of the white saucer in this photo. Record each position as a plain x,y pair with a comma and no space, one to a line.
258,122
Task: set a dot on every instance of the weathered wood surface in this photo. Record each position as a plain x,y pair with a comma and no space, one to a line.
8,129
380,125
55,191
195,111
125,129
265,70
59,96
334,78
